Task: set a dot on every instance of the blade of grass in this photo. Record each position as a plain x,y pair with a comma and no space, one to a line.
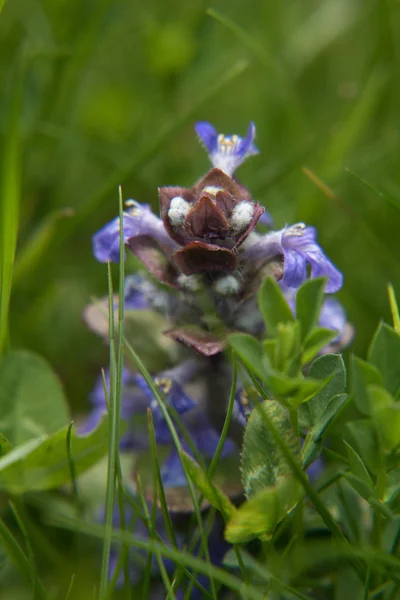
369,186
19,559
175,438
178,556
157,141
358,221
10,199
283,82
115,413
394,309
28,258
28,547
119,390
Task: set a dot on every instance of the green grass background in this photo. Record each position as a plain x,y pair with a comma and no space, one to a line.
109,93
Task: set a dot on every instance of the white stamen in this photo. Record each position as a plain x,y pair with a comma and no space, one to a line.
297,229
227,144
227,285
178,209
191,283
212,190
133,206
242,215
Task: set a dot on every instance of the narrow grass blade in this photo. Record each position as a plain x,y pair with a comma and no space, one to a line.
115,401
389,199
178,556
19,559
9,200
283,83
394,309
156,142
28,258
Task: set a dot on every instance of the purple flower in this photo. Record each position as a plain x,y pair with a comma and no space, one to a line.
133,402
315,469
297,244
183,534
226,152
138,220
194,418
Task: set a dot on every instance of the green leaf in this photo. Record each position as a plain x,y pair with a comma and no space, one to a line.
249,351
273,306
384,354
43,463
260,515
312,443
387,420
300,389
287,344
332,366
32,400
363,374
262,462
362,436
309,300
359,477
213,494
315,341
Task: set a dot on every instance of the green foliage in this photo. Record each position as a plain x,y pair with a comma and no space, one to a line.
95,98
262,461
32,400
43,463
214,495
259,516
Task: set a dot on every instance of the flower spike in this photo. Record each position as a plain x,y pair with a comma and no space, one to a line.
226,152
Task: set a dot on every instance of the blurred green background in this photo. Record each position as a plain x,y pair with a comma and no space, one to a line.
110,94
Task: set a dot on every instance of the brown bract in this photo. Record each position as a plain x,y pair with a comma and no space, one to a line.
204,342
198,257
211,203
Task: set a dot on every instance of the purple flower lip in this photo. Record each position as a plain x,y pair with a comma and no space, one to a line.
226,152
299,249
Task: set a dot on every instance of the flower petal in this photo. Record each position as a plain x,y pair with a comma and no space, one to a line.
302,239
139,220
226,152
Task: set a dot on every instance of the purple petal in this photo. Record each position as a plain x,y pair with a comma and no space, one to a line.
265,219
207,135
137,292
295,269
302,240
299,248
172,471
315,469
206,438
226,152
139,220
133,402
333,317
176,398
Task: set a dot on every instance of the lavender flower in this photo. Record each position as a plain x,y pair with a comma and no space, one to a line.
226,152
298,247
137,220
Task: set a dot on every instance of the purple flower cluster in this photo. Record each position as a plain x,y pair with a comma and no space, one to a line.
204,263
